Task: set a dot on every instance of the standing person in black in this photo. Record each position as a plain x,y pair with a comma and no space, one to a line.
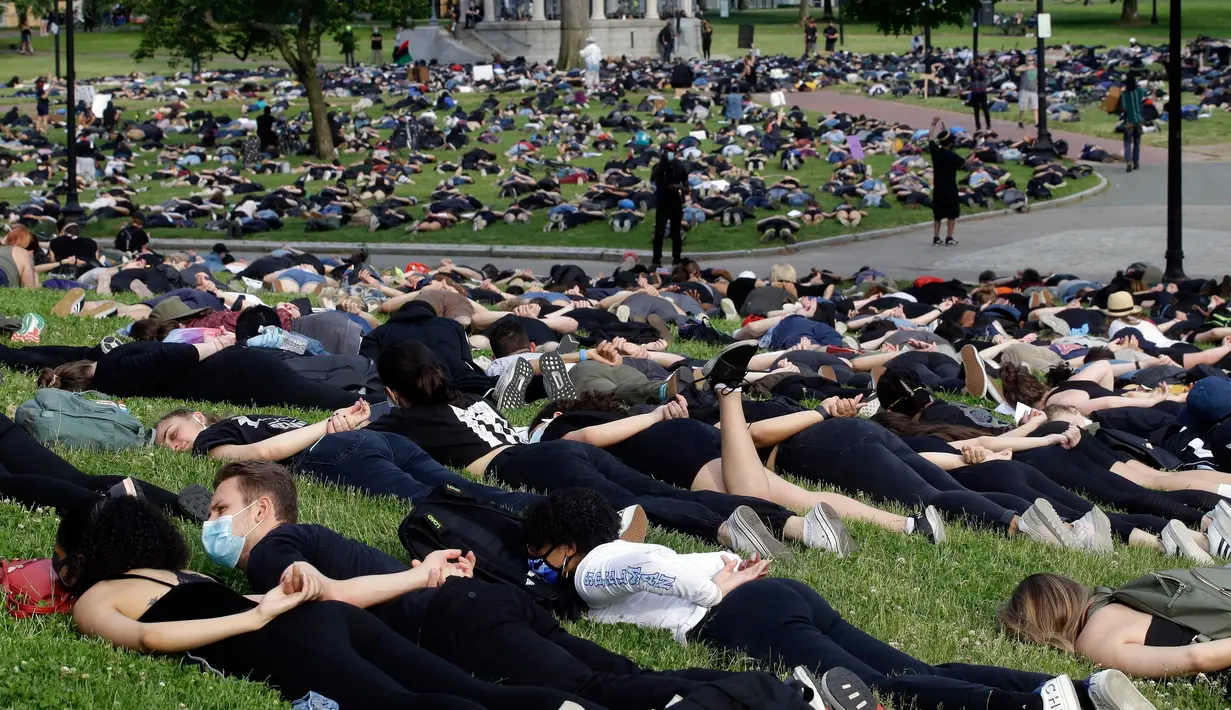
707,37
265,130
378,47
810,38
670,185
978,92
831,38
666,43
945,164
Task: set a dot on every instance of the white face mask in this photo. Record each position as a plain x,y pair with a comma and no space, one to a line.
536,434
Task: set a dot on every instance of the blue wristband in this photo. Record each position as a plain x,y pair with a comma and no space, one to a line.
581,357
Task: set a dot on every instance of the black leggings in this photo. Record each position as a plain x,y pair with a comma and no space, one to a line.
35,357
498,633
978,101
35,476
1025,481
248,376
858,455
554,465
350,656
935,370
785,622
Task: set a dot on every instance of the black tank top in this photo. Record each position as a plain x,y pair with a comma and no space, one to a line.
1093,389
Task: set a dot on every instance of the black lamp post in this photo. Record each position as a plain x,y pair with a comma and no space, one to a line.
1175,168
56,35
1154,14
1043,147
71,208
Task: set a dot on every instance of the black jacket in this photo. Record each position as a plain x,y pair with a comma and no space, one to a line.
445,337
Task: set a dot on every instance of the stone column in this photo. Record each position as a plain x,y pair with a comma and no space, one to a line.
489,11
597,11
686,6
538,12
651,9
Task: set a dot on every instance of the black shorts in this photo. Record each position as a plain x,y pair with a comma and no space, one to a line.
946,209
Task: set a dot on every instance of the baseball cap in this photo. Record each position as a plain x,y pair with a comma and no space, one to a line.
626,204
747,275
1209,402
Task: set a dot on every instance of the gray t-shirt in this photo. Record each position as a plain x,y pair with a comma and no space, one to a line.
1030,80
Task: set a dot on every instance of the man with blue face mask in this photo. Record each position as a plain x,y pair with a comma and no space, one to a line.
670,179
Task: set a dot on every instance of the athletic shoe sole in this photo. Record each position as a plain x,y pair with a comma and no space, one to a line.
622,313
842,690
633,524
734,357
1112,690
1177,539
100,310
744,523
824,516
1102,528
1057,325
804,677
937,522
511,387
671,386
194,500
728,309
976,376
70,304
1046,525
555,378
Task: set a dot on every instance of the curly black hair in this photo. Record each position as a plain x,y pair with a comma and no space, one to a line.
109,537
571,516
585,402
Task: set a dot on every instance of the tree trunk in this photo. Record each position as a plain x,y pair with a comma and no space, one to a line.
320,119
1129,11
804,7
574,25
828,10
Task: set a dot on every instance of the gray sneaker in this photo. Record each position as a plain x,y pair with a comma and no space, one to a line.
748,535
1041,523
1093,531
1112,690
1057,324
1178,540
824,530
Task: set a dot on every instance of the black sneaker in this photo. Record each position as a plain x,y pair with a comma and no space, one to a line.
929,522
951,242
194,502
936,241
841,689
730,365
510,389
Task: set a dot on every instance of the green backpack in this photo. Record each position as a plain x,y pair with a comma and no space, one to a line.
89,420
1197,598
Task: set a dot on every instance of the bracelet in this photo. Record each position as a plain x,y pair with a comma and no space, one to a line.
581,355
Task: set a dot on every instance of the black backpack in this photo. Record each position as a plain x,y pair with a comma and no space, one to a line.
450,519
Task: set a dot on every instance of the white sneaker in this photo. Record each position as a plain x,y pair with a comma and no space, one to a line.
809,681
633,524
1059,694
622,313
749,536
1093,531
1222,514
1041,523
824,530
1112,690
252,284
1217,536
1178,540
728,309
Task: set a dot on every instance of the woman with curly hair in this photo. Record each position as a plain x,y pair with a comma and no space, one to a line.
125,563
728,603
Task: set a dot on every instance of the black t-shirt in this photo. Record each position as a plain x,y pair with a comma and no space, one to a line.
810,33
81,247
131,239
764,299
1201,446
243,429
337,557
456,434
831,38
145,369
670,180
945,164
377,40
673,451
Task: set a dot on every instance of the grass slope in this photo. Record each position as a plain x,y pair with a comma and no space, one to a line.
936,603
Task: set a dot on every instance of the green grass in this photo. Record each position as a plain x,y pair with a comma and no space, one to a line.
934,602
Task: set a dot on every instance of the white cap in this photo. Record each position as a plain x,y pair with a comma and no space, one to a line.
794,213
1132,40
746,275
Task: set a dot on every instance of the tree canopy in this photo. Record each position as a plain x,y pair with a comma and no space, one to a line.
897,17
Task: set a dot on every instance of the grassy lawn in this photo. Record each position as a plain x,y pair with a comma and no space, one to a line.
937,603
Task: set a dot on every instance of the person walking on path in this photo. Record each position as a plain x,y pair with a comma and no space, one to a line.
945,164
978,92
1028,92
707,37
1132,100
810,33
378,47
670,180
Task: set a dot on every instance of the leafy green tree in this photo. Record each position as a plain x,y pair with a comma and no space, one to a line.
903,17
291,29
26,9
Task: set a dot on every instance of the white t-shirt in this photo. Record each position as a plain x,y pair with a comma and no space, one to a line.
649,585
499,365
1148,330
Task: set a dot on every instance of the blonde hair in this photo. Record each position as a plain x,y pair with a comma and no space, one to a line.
985,294
1046,609
783,272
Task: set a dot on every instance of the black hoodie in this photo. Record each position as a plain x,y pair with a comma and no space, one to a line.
445,337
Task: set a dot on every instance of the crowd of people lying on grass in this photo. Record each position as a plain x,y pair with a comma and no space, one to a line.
1105,394
738,158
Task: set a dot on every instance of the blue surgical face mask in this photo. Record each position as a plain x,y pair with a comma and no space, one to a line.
536,434
670,155
221,544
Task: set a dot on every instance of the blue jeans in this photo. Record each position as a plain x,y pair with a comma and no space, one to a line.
1132,145
791,329
379,463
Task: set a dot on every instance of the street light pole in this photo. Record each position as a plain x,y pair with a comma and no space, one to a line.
841,25
1043,147
71,208
1154,14
56,33
1175,168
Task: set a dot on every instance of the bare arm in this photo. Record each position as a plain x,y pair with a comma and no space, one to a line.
289,443
98,616
1160,661
774,431
604,435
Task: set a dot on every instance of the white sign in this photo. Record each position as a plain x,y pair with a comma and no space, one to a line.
724,8
1044,25
100,103
482,72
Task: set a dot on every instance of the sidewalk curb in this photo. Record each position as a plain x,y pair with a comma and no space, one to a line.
614,254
